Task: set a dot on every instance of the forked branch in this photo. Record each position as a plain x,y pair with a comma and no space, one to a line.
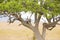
19,18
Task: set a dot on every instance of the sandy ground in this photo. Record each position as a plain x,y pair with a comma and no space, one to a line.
16,32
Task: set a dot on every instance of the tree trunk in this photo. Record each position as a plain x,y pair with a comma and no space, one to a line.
38,36
43,32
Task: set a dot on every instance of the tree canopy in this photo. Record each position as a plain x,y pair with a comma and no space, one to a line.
48,7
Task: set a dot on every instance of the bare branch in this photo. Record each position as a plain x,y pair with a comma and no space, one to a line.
39,16
24,23
37,19
19,18
51,25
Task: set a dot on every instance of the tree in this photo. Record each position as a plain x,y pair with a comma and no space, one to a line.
47,8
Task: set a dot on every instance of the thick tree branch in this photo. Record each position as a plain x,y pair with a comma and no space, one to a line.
36,23
27,25
37,19
43,32
51,24
24,22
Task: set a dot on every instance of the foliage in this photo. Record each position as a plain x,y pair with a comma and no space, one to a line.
50,6
15,6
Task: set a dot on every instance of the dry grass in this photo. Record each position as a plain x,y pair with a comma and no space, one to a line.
15,32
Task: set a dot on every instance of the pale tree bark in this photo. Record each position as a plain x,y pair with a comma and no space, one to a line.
51,25
43,32
36,30
43,29
37,34
30,26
